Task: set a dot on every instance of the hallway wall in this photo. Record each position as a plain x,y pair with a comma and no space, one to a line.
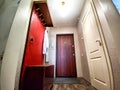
52,50
1,2
7,12
113,18
85,68
13,56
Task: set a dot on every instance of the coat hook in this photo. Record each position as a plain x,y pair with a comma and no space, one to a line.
42,19
37,9
40,15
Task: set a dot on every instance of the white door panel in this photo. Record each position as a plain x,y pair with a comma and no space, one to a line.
99,71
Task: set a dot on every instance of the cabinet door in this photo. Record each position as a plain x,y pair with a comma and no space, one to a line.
34,77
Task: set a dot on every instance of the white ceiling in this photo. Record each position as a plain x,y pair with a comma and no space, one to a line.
67,14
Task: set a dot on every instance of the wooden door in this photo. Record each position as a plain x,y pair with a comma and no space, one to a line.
99,71
65,64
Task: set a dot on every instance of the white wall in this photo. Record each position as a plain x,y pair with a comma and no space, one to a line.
113,18
1,2
7,12
85,68
64,30
15,46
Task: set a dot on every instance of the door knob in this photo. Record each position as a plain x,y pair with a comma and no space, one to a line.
73,54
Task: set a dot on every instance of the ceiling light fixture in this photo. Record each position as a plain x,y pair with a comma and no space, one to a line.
63,3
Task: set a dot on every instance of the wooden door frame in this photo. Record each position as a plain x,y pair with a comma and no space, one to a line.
56,53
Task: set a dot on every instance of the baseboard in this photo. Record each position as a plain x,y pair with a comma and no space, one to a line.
84,81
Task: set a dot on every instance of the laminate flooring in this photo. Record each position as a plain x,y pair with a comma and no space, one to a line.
68,87
83,85
71,87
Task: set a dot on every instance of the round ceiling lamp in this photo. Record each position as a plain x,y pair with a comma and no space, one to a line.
63,3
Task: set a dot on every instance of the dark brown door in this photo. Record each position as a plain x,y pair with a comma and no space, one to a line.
65,64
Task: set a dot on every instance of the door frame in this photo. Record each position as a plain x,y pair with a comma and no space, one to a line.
74,51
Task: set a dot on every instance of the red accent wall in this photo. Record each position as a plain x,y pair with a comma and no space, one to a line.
34,45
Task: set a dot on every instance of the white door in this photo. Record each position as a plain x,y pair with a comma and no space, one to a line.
99,71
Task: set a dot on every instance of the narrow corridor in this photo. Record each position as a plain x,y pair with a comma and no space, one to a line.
93,53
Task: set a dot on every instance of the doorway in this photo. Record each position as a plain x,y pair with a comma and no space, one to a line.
65,56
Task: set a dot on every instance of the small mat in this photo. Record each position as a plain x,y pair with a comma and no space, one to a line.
66,81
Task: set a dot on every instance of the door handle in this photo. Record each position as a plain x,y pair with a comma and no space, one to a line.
99,42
